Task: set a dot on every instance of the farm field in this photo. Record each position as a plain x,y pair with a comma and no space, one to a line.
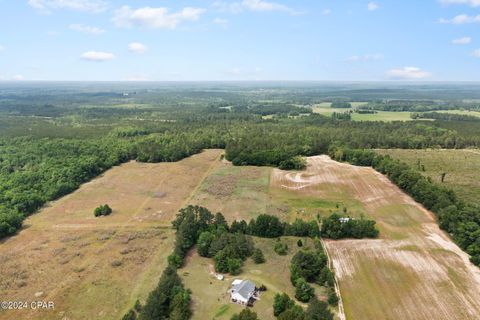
211,299
238,192
413,271
462,168
96,268
326,110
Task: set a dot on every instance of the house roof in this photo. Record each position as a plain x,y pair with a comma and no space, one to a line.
244,288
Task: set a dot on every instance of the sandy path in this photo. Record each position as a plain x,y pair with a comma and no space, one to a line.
414,271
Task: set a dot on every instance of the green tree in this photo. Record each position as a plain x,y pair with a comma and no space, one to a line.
203,244
303,291
246,314
234,266
332,297
281,302
318,310
258,256
294,313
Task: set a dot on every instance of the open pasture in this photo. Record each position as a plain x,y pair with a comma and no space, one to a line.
413,271
96,268
461,168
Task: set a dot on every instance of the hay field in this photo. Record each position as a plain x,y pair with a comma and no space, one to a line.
95,268
238,192
462,168
414,271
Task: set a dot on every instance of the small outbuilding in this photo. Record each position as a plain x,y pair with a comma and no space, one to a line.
243,292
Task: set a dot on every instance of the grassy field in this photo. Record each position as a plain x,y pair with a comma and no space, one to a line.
462,168
237,192
326,110
211,299
413,271
95,268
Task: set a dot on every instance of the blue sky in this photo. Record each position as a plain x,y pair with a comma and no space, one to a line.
157,40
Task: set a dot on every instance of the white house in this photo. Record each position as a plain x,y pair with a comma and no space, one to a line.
243,291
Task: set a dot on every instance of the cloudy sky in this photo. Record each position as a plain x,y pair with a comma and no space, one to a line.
427,40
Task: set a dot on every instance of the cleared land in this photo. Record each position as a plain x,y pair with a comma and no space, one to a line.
326,110
414,271
238,192
95,268
462,168
211,299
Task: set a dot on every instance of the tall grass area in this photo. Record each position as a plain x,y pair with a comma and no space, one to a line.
461,168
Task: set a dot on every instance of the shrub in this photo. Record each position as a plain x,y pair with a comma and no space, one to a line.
103,210
332,297
303,291
281,248
246,314
258,256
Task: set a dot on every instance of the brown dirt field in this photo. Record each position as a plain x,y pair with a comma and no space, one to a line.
414,271
95,268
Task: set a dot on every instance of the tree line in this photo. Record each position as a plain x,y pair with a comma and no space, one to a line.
36,170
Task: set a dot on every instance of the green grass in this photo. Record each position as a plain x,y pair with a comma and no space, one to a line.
462,168
326,110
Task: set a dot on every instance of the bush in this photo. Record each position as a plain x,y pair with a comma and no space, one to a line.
103,210
299,243
303,291
258,256
246,314
281,248
332,297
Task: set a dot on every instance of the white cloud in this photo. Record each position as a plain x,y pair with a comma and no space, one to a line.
462,19
326,12
372,6
47,6
157,18
2,48
86,29
408,73
253,5
97,56
472,3
476,53
137,47
18,77
366,57
463,40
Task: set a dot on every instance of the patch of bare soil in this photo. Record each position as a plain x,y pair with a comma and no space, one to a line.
414,271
